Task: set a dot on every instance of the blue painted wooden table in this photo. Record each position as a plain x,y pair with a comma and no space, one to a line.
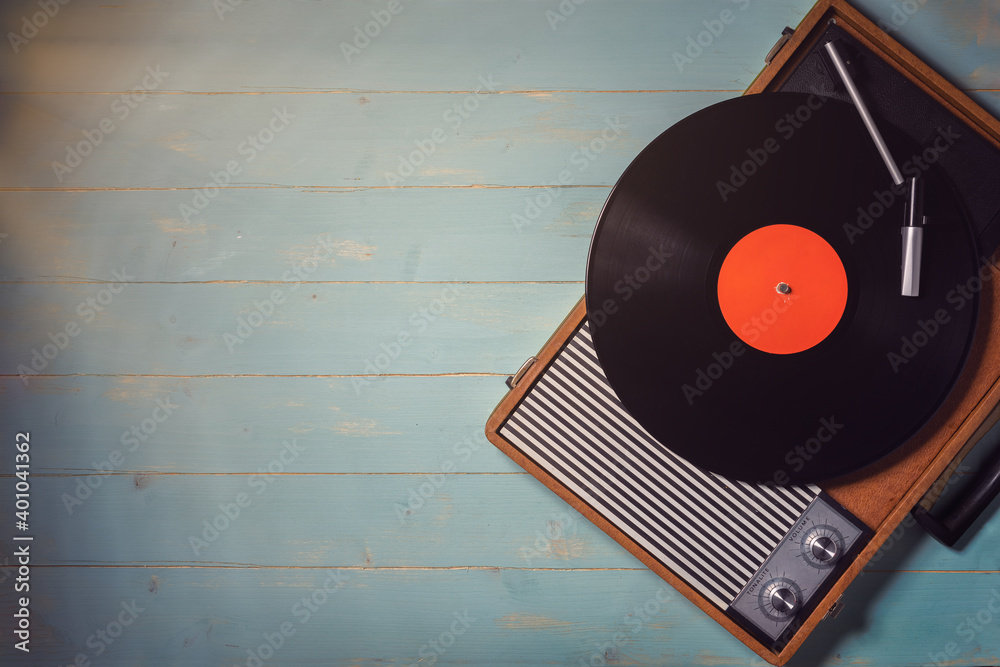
264,268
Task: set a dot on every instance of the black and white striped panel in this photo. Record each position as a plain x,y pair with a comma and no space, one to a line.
711,532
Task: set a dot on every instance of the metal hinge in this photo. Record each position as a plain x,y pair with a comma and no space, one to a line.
837,607
786,35
516,377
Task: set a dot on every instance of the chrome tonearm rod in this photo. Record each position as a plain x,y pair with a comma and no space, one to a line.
913,232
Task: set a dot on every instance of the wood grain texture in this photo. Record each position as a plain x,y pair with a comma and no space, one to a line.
372,438
187,143
209,617
286,329
262,234
279,139
395,425
447,44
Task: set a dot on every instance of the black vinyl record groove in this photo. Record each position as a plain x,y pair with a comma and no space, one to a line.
652,291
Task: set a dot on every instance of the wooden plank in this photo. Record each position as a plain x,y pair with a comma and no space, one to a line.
600,46
287,329
215,616
397,424
340,520
251,50
405,234
191,143
360,140
376,520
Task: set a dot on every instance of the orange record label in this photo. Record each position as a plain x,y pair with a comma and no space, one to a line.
782,289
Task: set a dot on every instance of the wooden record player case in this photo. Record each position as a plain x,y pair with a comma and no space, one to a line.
882,494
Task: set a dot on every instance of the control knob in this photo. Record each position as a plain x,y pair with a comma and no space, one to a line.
822,546
780,598
783,601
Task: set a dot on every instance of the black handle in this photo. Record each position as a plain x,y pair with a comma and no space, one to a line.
948,530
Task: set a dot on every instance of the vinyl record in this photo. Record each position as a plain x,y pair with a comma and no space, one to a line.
743,291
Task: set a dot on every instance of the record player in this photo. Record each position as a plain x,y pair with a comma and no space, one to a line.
790,335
